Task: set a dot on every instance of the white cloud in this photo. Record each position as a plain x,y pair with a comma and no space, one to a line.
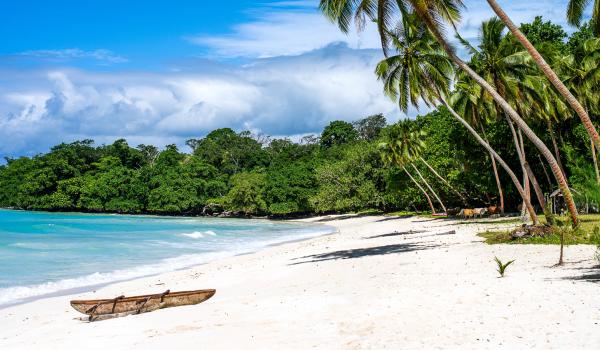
75,54
277,96
278,33
519,12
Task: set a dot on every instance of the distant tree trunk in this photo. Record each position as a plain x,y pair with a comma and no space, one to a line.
422,190
429,187
462,197
496,175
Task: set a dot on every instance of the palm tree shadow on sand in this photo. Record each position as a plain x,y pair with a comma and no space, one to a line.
364,252
591,274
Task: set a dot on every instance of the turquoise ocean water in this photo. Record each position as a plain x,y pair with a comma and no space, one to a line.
47,253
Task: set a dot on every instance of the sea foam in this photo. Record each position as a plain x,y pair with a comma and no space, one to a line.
197,234
194,235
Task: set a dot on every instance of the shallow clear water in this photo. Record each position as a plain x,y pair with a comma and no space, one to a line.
43,253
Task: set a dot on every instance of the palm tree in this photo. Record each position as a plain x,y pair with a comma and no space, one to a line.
574,14
497,61
541,102
468,100
390,155
441,178
409,145
420,71
583,77
499,64
429,187
412,143
509,70
433,13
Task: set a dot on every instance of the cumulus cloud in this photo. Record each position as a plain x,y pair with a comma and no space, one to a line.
278,96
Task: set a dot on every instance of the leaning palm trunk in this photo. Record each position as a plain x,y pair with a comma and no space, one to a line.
558,174
555,145
539,194
496,175
550,74
529,176
495,155
536,186
525,173
595,162
498,183
429,187
462,197
521,156
422,190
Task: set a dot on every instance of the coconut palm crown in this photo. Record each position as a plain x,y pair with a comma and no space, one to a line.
575,10
418,65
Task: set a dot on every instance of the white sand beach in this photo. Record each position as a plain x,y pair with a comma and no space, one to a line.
348,290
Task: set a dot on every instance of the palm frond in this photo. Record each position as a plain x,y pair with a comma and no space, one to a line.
575,10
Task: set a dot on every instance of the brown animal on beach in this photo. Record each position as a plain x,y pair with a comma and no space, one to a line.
494,211
467,213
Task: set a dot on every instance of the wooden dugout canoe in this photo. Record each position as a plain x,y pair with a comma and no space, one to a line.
122,306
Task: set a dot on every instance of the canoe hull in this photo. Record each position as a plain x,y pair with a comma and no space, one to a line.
139,304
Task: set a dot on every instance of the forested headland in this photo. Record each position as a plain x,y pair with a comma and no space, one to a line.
345,168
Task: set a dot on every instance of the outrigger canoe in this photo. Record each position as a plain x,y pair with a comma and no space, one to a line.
122,306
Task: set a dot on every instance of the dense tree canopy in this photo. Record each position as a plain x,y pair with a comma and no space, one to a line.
338,133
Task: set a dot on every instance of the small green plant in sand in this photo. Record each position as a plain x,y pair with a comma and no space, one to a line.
502,266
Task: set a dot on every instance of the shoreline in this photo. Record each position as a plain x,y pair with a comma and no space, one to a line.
92,287
181,215
371,285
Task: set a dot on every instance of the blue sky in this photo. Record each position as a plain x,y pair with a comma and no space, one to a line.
161,72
